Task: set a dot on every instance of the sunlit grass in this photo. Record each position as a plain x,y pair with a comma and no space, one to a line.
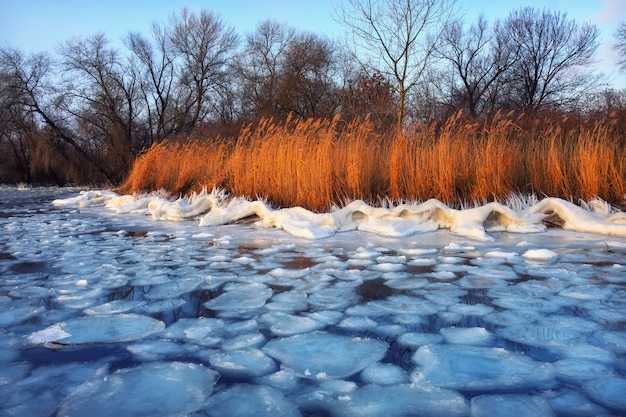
317,163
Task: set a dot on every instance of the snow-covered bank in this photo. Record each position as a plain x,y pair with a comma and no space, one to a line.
475,223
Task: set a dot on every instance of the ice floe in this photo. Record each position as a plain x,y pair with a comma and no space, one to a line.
324,355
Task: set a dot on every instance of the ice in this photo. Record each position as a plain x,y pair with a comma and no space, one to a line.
541,255
541,335
400,400
613,340
477,336
174,288
608,392
384,374
575,404
116,306
241,297
282,324
204,331
415,340
242,363
99,329
154,389
322,353
518,405
260,401
575,370
479,369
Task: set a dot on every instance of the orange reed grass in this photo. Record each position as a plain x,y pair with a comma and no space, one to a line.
317,163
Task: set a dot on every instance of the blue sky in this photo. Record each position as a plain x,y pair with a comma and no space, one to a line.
39,25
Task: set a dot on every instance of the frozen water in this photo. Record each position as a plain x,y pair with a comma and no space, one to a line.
476,369
431,311
400,400
322,355
242,363
609,392
155,389
510,405
243,400
98,329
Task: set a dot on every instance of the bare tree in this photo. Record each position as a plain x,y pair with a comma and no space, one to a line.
553,50
32,97
259,66
154,67
100,94
306,80
620,45
396,38
202,46
480,56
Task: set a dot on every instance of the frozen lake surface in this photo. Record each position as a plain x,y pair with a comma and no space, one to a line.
103,314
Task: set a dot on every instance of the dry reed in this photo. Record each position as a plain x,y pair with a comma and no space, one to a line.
316,163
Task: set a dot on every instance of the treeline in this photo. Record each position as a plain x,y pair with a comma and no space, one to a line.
85,112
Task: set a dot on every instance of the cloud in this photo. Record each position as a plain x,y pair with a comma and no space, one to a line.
612,12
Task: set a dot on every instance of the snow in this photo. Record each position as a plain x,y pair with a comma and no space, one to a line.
147,305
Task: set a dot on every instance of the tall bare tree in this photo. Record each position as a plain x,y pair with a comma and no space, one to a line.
553,50
306,79
101,95
154,67
203,47
396,38
259,66
480,57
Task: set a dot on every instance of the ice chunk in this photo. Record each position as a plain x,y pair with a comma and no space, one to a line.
471,281
155,389
159,349
244,341
99,329
384,374
475,369
576,404
357,323
116,306
588,292
574,370
176,287
469,336
282,324
242,363
318,352
243,400
608,392
540,335
400,400
510,405
412,283
242,297
415,340
539,255
527,303
613,340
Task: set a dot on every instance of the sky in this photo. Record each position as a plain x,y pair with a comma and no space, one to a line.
40,25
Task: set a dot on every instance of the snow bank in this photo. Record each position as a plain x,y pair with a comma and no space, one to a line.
214,208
